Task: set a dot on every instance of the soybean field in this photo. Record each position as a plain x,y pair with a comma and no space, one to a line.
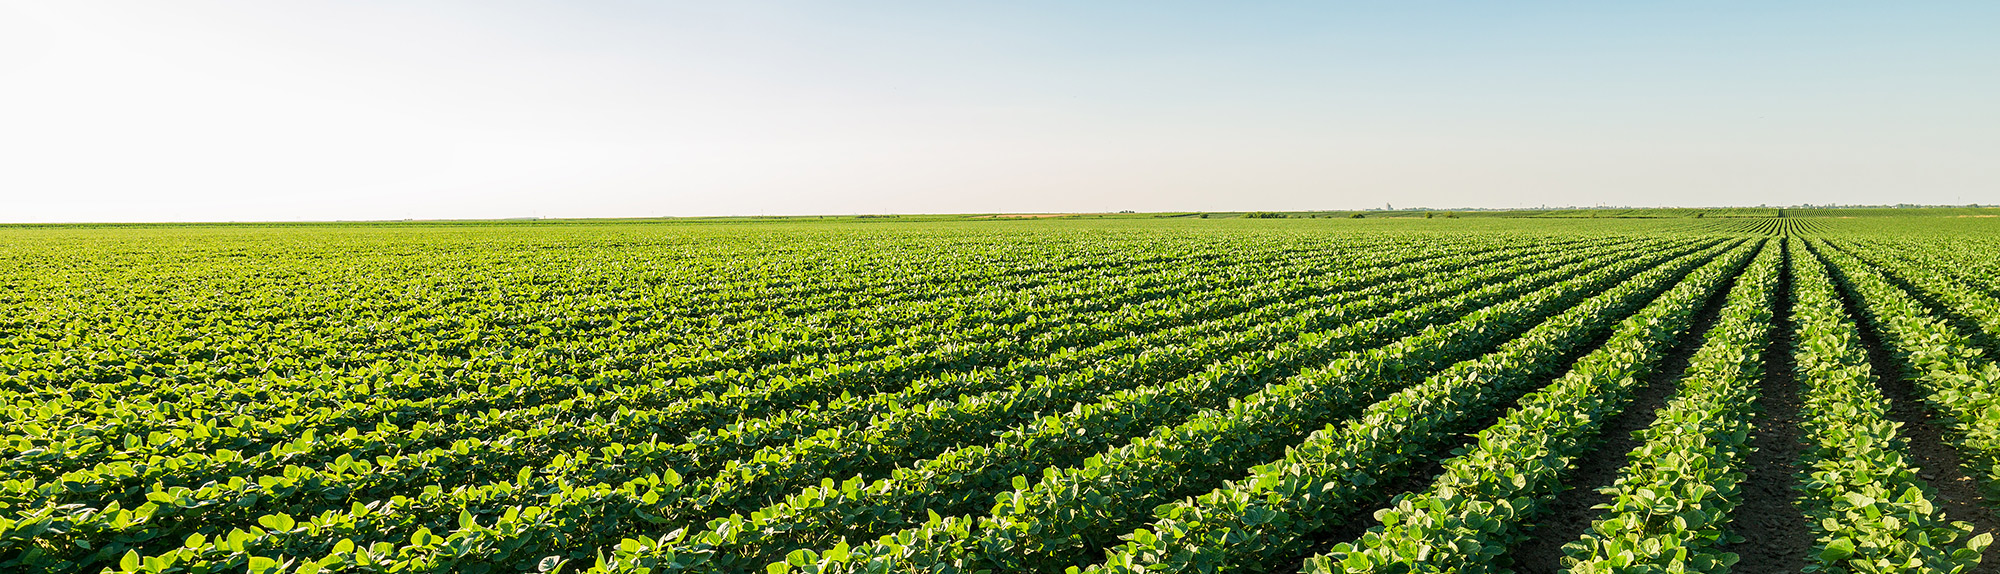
1748,392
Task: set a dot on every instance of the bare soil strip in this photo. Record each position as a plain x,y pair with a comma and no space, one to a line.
1775,535
1574,508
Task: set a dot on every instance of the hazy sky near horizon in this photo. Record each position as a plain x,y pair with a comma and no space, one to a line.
240,110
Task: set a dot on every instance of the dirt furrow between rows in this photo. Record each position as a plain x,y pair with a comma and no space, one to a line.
1930,450
1775,535
1575,507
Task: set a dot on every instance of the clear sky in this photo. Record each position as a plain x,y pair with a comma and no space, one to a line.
202,110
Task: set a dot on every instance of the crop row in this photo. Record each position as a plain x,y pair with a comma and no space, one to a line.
1974,312
1963,258
290,482
643,312
329,405
1274,514
587,501
175,470
1479,505
1949,372
994,398
961,480
1077,511
925,430
1672,504
1864,498
305,447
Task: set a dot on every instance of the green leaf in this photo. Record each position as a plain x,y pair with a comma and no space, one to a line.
1979,543
279,522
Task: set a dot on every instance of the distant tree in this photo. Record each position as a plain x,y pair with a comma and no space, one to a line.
1357,215
1263,215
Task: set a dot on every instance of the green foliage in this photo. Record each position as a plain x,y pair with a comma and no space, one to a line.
1864,497
974,474
1480,504
1260,521
1950,371
940,393
1035,527
1671,504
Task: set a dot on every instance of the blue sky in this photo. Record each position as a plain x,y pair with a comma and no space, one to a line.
197,110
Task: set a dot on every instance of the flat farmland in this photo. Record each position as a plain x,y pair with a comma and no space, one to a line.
1659,391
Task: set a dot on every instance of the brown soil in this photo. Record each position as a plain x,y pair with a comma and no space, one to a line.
1774,531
